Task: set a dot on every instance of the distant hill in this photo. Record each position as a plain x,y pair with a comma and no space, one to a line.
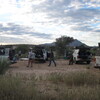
76,43
48,44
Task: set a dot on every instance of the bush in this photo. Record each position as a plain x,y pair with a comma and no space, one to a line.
4,64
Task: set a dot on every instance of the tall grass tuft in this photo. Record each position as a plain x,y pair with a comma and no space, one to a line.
19,88
13,88
4,64
81,78
80,93
56,77
75,78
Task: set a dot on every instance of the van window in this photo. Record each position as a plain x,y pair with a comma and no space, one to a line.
84,52
2,51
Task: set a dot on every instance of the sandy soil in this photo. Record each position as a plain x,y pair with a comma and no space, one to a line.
42,68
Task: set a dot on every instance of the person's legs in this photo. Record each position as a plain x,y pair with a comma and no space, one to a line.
72,62
29,61
54,62
69,62
32,62
49,62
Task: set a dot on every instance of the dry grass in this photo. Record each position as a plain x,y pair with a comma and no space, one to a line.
63,82
4,64
56,86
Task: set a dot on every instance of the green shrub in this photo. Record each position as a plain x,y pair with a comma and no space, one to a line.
4,64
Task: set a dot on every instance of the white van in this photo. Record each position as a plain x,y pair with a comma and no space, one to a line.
82,55
97,59
4,53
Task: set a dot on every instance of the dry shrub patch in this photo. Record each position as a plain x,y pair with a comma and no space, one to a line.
56,86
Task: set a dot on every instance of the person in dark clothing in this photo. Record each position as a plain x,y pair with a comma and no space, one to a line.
52,58
19,53
71,60
11,54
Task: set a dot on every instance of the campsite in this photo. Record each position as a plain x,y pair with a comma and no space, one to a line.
53,83
79,80
49,49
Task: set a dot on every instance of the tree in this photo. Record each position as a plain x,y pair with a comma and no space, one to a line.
23,48
61,44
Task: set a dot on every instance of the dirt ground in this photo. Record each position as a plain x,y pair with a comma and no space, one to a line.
42,68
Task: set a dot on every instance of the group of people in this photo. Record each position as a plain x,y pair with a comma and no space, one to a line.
13,57
31,58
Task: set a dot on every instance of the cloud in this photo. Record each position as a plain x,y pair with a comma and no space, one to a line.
48,19
14,29
97,31
59,7
11,40
83,15
68,11
83,28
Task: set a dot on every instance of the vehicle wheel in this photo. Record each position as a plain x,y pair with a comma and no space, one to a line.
75,61
44,61
88,62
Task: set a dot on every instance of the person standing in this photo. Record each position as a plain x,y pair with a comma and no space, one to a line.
31,57
71,60
11,54
19,54
52,58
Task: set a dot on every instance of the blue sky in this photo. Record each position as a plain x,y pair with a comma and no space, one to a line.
42,21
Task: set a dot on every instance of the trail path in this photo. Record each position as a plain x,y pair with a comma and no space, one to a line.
42,68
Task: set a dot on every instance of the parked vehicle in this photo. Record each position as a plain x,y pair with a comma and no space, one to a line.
82,55
4,53
97,58
40,54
